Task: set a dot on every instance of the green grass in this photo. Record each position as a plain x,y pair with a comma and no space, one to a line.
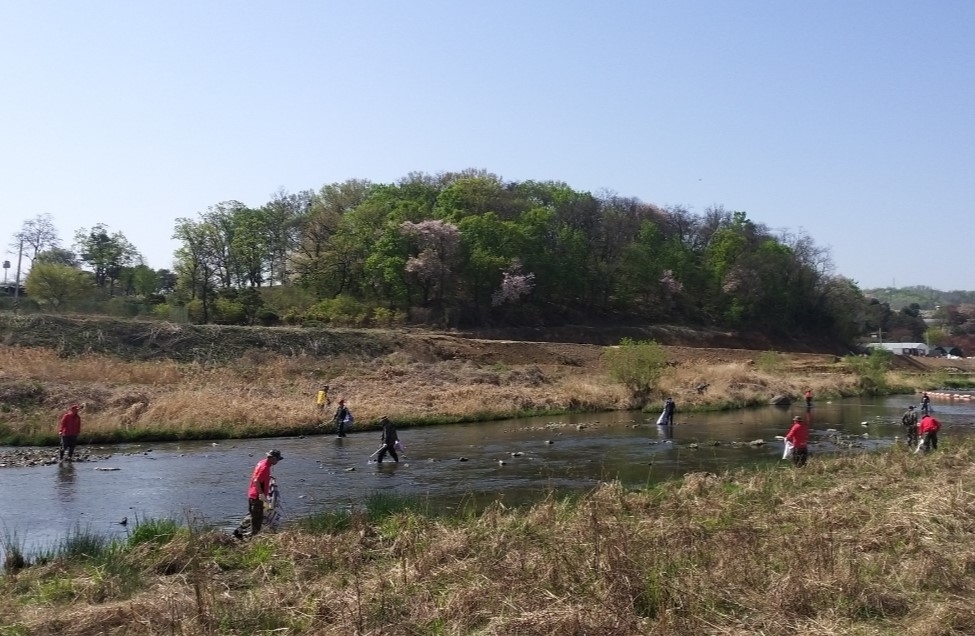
83,543
156,531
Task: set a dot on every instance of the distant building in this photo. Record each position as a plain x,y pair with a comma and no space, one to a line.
8,289
947,350
903,348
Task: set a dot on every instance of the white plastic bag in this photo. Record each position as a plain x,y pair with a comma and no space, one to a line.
787,453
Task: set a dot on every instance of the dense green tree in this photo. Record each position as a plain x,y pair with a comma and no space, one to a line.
55,285
282,221
195,265
106,254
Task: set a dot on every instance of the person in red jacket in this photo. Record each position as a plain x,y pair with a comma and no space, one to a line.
258,492
68,430
798,436
928,427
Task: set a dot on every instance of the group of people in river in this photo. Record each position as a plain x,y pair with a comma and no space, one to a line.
921,431
262,496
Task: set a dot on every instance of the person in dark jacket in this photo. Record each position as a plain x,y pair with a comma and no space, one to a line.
341,418
389,441
925,403
670,408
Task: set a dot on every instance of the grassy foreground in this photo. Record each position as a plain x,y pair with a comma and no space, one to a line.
869,544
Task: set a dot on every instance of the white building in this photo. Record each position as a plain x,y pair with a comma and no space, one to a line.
903,348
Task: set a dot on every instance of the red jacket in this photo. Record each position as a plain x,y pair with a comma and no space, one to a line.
260,480
70,423
928,425
798,435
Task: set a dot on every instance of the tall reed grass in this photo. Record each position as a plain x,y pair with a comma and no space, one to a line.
864,544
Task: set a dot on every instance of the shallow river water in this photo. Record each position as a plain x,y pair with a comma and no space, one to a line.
207,482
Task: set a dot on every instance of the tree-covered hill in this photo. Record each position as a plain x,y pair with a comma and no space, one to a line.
926,298
464,250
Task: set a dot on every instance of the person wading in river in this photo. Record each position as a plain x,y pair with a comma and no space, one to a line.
68,430
258,492
342,418
909,420
390,438
798,436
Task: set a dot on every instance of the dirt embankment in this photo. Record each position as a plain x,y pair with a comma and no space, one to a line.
571,346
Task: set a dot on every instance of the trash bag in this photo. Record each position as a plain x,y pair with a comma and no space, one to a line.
787,452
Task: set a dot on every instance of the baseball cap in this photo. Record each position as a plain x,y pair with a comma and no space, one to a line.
275,453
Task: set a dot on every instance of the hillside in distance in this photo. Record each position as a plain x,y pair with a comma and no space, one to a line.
927,298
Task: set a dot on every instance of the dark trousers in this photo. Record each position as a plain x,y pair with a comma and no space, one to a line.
67,444
340,427
931,441
256,509
388,448
911,435
799,455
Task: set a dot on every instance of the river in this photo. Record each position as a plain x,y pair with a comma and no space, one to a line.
517,460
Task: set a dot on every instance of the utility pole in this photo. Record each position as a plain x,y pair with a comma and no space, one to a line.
20,254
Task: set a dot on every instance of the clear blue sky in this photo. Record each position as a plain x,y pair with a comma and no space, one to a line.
849,120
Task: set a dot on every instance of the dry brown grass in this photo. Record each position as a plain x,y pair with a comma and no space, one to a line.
870,544
264,393
743,383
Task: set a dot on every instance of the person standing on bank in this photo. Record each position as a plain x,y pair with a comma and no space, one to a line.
929,428
389,441
909,420
798,436
69,428
342,417
259,489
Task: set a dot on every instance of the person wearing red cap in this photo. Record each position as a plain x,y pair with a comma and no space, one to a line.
798,436
68,430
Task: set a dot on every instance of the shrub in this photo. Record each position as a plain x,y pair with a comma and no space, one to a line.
638,365
872,370
267,318
771,362
229,312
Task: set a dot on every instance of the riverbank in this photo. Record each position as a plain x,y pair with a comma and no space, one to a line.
163,382
867,544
